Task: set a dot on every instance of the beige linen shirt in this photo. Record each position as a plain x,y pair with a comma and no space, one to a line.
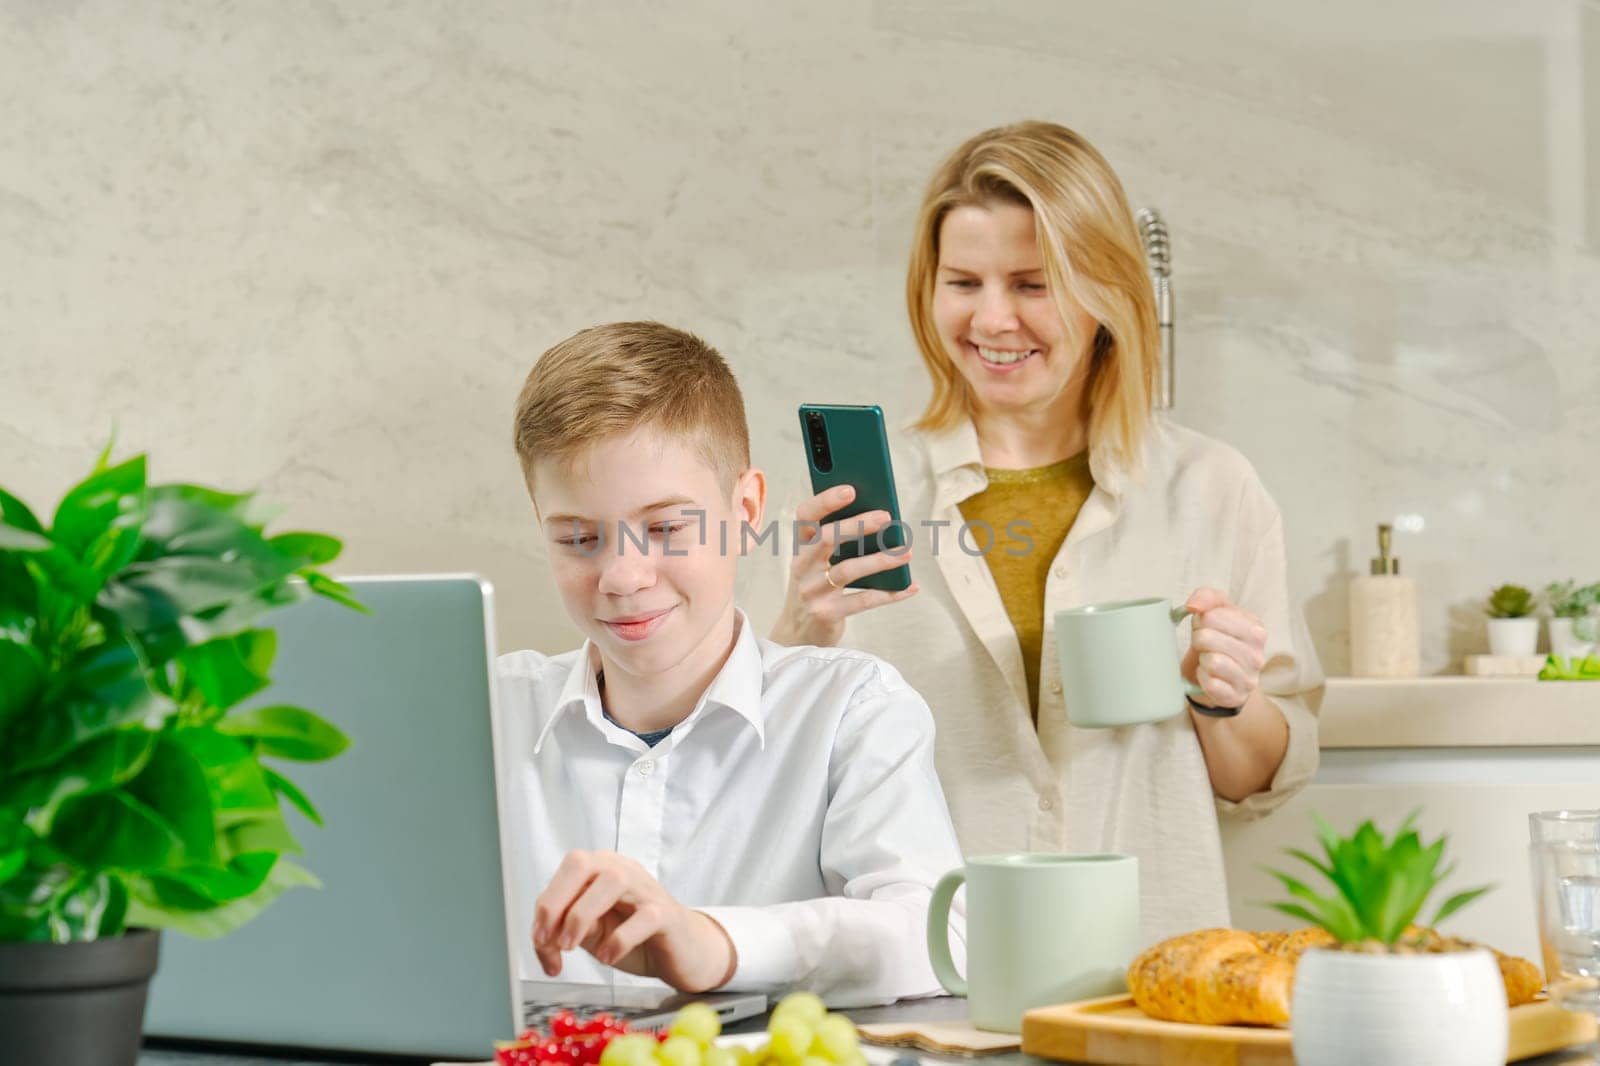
1198,516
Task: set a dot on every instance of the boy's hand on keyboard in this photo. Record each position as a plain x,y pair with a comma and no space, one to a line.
609,906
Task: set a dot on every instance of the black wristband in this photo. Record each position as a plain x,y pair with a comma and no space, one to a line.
1213,712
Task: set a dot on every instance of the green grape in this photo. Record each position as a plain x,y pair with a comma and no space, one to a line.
630,1049
791,1038
716,1055
805,1006
698,1022
678,1051
836,1039
815,1060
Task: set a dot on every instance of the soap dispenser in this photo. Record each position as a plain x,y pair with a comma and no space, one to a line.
1383,618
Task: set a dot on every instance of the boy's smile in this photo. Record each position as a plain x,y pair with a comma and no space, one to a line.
632,526
639,626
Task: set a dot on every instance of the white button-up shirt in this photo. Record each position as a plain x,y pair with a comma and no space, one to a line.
1196,516
797,805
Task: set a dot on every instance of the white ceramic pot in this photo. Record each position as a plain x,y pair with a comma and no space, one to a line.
1513,636
1447,1009
1565,643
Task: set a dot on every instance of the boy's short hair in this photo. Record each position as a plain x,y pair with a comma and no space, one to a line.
626,376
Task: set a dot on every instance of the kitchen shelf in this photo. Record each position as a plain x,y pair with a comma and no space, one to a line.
1457,711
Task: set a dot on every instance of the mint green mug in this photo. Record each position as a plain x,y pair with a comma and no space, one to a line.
1119,663
1041,929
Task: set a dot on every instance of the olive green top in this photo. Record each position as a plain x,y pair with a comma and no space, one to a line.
1030,512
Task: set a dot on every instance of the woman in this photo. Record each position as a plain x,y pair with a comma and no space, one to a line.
1035,317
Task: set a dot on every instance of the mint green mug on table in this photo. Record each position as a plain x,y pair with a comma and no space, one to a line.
1119,663
1041,929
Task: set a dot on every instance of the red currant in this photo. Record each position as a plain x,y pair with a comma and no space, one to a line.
598,1023
563,1023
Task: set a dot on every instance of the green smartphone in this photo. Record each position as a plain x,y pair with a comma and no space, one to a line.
847,445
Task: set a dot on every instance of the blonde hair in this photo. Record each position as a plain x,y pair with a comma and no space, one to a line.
626,376
1091,252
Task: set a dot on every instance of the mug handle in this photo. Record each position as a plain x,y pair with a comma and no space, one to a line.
1193,691
944,967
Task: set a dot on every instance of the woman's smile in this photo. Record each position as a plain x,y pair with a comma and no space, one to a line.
1002,360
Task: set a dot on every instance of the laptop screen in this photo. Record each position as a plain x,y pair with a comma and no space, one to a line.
404,947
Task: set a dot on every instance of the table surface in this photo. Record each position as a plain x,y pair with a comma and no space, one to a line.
913,1010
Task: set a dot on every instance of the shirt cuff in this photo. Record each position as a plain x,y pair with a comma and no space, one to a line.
767,956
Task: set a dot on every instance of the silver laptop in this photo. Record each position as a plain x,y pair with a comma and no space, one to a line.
405,948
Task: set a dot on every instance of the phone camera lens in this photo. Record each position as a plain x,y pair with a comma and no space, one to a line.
817,430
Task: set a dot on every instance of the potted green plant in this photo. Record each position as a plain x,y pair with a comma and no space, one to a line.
134,794
1389,994
1572,621
1512,628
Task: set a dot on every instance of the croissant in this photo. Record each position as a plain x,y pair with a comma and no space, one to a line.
1522,978
1236,977
1214,977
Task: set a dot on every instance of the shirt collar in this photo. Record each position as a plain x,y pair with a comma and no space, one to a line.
737,686
581,691
956,463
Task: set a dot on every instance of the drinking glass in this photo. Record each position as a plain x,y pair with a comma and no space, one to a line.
1565,852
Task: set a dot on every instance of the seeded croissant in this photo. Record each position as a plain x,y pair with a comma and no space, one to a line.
1214,977
1235,977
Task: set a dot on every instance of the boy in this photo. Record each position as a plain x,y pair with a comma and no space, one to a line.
692,803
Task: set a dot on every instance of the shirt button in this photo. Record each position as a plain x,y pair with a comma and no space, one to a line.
1046,803
646,767
1061,571
1055,688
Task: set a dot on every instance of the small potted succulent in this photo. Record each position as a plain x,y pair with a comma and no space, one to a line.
136,794
1389,993
1572,618
1512,628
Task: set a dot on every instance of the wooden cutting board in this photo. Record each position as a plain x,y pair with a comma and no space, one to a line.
1113,1030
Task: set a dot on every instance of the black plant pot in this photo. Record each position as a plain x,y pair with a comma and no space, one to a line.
75,1003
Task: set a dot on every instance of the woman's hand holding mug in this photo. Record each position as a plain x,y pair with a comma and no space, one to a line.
1111,660
817,601
1227,648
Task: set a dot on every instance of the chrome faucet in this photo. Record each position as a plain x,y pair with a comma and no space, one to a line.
1158,256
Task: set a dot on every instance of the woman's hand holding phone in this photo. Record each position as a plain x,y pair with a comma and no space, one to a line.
816,604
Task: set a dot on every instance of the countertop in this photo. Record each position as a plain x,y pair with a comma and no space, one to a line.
939,1008
1459,712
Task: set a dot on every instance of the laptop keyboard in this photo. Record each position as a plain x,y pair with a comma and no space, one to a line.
538,1015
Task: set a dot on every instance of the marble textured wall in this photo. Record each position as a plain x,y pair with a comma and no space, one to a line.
313,247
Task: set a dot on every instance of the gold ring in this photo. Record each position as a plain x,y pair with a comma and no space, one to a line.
827,574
